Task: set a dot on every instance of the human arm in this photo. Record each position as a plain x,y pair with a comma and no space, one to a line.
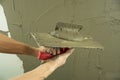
44,70
8,45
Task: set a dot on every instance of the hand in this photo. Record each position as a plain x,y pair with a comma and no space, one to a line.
61,59
44,70
45,53
48,53
52,51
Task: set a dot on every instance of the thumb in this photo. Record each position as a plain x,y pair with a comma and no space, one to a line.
42,48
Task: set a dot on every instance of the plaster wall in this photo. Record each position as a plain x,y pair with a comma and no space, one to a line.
100,18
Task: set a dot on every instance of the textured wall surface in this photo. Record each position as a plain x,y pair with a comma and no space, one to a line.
101,19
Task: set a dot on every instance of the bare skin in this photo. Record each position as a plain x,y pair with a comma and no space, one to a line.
44,70
8,45
11,46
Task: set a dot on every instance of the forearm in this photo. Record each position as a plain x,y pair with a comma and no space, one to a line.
8,45
40,73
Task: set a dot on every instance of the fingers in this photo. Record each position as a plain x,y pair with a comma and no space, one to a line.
68,53
42,48
53,51
57,51
65,52
61,59
50,51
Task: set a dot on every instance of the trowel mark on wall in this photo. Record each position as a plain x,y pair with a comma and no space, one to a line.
99,65
18,13
89,54
114,25
72,4
13,5
37,19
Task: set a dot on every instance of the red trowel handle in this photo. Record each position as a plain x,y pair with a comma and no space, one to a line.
45,55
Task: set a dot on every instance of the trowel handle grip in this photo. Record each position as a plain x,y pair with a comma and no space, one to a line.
46,55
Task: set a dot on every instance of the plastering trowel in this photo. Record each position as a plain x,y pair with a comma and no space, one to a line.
66,35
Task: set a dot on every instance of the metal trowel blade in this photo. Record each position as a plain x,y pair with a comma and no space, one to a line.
45,39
